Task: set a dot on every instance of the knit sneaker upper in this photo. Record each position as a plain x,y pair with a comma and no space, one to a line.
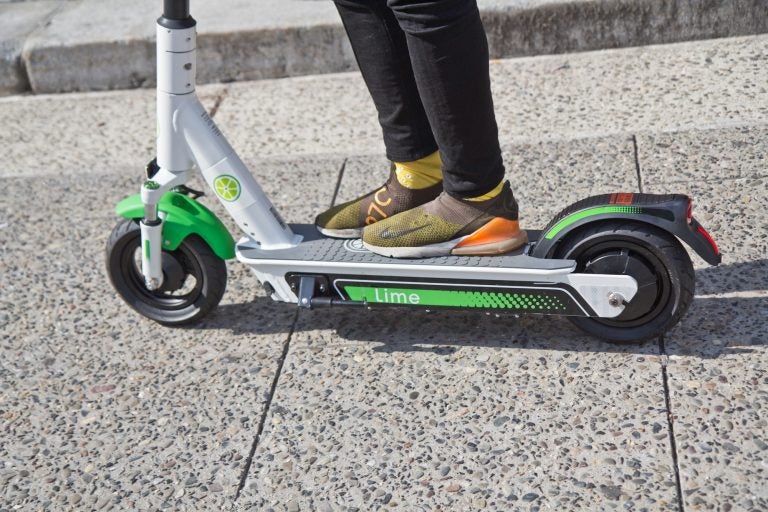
377,205
443,219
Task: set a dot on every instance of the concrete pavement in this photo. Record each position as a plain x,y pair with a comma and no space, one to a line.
82,45
100,409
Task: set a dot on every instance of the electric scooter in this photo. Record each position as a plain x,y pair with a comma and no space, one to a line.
613,263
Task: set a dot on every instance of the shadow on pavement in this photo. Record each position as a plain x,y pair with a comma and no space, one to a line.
712,326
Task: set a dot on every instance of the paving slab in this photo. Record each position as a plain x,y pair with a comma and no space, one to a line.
461,412
724,171
544,98
649,89
652,89
702,156
66,340
99,405
92,133
18,22
101,408
719,353
467,412
304,115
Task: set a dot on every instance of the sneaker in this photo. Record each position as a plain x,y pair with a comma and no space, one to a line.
348,220
448,225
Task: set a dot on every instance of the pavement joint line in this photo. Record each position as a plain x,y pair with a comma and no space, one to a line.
270,396
338,181
218,101
637,163
664,360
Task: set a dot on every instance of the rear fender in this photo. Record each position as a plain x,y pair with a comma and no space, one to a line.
183,216
666,211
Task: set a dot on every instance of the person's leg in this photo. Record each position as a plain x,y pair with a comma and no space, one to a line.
449,56
382,54
477,213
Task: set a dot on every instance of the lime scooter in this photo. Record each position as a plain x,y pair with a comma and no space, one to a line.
613,263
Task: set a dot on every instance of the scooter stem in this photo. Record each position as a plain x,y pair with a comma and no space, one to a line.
176,9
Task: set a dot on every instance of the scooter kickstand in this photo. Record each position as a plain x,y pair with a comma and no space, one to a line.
306,291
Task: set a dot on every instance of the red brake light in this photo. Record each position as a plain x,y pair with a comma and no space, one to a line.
709,239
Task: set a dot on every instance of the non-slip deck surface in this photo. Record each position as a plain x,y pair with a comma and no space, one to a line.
315,247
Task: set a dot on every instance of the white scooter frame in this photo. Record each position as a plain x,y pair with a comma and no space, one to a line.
187,138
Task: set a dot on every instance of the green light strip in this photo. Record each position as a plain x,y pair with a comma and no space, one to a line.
455,298
575,217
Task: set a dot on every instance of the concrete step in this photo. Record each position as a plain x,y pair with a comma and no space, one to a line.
86,45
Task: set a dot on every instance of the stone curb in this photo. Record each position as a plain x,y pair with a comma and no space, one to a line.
317,44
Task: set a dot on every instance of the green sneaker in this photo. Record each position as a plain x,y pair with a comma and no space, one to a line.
448,225
348,220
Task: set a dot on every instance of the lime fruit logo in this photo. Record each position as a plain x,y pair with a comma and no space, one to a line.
227,187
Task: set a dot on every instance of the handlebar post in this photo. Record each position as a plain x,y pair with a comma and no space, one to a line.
176,9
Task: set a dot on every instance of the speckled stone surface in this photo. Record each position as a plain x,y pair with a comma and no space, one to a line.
695,157
655,88
101,409
718,364
300,187
652,88
461,412
468,412
649,89
725,173
81,134
316,114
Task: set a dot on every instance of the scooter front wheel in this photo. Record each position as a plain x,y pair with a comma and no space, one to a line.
194,278
653,257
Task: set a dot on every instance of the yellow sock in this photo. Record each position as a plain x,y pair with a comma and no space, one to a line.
421,173
490,195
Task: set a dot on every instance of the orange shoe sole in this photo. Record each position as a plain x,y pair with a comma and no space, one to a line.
498,236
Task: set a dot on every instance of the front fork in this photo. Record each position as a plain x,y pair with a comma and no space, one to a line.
152,224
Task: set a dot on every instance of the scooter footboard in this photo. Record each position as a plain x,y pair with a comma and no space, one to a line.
328,272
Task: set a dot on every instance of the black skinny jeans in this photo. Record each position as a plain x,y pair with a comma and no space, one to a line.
425,63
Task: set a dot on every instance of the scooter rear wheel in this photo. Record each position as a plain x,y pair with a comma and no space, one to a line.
657,261
194,278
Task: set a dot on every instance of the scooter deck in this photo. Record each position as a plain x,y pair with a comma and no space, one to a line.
316,249
347,273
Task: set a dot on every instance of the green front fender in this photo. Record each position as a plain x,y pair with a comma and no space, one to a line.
183,216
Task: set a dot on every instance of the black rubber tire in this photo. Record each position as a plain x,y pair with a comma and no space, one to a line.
657,255
192,258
